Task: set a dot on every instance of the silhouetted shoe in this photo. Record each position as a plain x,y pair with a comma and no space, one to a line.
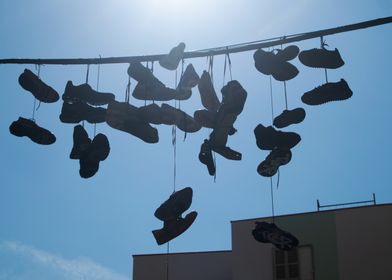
269,233
142,74
84,93
265,62
189,79
174,57
321,58
151,113
208,96
97,151
267,138
125,117
286,71
181,119
174,228
205,157
25,127
178,203
328,92
288,117
157,92
227,152
44,93
223,128
208,119
234,97
288,53
81,142
274,160
80,111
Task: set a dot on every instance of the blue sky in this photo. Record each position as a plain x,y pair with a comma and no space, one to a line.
53,224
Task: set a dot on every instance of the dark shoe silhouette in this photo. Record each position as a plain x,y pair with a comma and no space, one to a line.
174,57
205,157
234,97
81,142
288,117
41,91
208,119
269,233
125,117
175,206
227,153
97,151
158,92
181,119
208,96
151,113
274,160
222,129
80,111
265,62
174,228
142,74
327,93
267,138
288,53
286,71
84,93
25,127
321,58
189,79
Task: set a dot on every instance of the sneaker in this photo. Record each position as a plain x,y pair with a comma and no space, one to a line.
158,92
80,111
175,206
267,138
151,113
208,96
222,129
142,74
286,71
321,58
208,119
233,98
274,160
173,228
288,53
97,151
41,91
181,119
227,153
84,93
125,117
289,117
205,157
265,62
171,61
81,142
189,79
269,233
327,93
25,127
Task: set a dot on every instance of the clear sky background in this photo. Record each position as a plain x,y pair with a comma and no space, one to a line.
56,225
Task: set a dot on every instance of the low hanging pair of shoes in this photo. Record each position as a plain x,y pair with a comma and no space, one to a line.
170,213
89,153
80,104
276,63
279,143
265,232
28,127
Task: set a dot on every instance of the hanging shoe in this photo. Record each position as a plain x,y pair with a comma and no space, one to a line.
208,96
171,61
173,228
321,58
189,79
175,206
125,117
181,119
25,127
233,98
265,62
151,113
267,138
288,53
289,117
205,157
208,119
80,111
269,233
142,74
328,92
227,153
84,93
97,151
286,71
158,92
274,160
222,129
41,91
81,142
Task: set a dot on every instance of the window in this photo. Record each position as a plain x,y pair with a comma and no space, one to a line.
296,264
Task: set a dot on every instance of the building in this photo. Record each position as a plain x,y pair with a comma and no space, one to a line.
351,243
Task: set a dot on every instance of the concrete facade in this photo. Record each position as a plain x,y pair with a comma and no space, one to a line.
351,243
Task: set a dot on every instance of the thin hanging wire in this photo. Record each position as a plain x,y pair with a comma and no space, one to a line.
128,91
87,73
272,201
285,94
97,88
322,43
210,60
38,68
